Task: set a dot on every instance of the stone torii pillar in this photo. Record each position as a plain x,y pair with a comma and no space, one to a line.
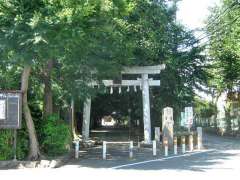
146,109
86,119
145,82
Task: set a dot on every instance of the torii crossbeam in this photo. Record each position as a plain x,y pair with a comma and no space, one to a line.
144,84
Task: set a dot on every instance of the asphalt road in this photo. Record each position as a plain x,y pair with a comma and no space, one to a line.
220,159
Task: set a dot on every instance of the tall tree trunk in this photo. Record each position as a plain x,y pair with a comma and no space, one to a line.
48,95
72,121
34,152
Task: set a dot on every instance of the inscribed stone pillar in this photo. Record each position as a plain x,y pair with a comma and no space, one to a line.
167,124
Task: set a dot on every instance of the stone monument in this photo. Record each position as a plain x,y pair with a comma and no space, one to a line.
167,124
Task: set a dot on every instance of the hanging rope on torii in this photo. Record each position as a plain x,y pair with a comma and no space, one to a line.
126,83
144,82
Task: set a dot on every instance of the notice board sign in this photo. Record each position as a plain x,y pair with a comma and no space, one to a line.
189,116
10,109
183,119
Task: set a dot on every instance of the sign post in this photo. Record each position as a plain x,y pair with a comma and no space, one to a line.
2,109
11,114
189,117
183,119
15,144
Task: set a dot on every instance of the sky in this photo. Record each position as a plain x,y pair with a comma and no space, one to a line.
192,13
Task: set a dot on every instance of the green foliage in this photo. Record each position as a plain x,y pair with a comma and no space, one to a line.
86,35
22,142
224,49
204,109
6,144
225,45
104,35
56,137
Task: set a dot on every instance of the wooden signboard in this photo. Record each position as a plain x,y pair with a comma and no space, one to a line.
10,109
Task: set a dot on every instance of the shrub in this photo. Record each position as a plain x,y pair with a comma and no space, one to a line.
56,136
22,142
6,144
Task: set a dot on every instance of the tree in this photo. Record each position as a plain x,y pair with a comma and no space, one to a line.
65,44
154,37
39,32
19,38
158,38
223,30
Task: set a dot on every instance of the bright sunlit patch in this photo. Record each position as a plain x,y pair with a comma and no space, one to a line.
193,13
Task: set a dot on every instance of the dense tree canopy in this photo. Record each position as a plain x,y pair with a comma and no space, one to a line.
223,28
61,42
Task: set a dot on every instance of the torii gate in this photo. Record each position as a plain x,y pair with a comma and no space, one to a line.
144,84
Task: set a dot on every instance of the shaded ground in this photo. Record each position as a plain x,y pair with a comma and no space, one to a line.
220,161
116,134
222,153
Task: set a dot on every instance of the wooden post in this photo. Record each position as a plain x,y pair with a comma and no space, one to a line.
104,150
131,149
183,144
175,145
77,149
165,143
154,147
15,144
129,124
139,144
199,137
190,142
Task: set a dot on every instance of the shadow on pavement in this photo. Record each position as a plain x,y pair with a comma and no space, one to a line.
223,149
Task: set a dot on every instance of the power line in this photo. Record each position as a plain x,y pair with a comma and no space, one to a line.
224,12
221,29
199,38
